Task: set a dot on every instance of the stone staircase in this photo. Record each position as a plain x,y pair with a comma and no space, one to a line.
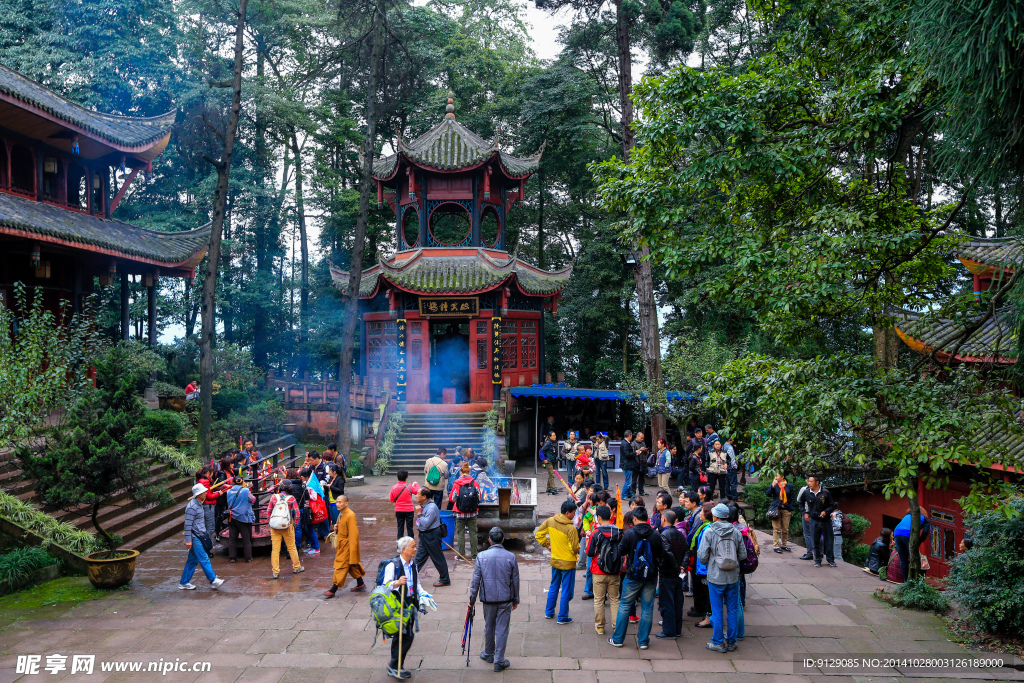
423,433
141,527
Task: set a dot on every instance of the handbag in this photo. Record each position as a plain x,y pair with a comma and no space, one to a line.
206,541
773,512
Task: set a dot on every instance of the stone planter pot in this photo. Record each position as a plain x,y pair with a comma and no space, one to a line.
355,481
112,573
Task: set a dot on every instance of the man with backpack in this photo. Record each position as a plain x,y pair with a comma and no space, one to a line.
605,564
399,576
435,472
465,498
428,520
670,588
284,513
644,550
558,534
721,548
496,580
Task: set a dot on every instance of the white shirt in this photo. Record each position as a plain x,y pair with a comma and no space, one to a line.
408,568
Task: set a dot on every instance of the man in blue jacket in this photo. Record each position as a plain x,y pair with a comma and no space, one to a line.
242,517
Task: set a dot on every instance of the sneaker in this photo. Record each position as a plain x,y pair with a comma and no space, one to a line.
587,597
807,557
312,552
501,666
613,643
832,564
634,620
730,647
599,629
487,658
275,575
400,675
664,636
817,564
216,583
232,560
299,570
777,550
546,616
644,647
563,622
787,549
439,584
717,648
186,587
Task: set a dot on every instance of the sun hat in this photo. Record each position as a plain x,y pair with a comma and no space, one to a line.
199,489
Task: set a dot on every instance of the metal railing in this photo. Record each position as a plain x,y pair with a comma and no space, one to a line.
283,444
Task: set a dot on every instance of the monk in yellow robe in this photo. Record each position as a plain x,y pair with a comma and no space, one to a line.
346,553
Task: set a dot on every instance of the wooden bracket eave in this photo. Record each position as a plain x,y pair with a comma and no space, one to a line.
124,188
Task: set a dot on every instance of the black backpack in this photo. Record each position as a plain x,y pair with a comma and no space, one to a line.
468,499
609,557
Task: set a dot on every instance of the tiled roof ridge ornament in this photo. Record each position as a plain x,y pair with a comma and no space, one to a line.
449,110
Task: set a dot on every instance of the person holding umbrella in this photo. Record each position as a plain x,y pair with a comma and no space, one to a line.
496,581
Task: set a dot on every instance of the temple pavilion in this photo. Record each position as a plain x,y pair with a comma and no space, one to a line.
452,316
63,171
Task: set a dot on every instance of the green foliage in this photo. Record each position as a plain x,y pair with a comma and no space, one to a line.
386,448
227,401
854,551
845,413
42,365
757,497
48,528
915,594
185,465
20,564
100,454
164,425
266,416
65,590
168,389
985,581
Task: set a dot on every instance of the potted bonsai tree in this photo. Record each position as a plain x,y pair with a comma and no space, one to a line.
99,455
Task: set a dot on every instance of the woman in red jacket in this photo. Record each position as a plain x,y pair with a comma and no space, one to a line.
401,495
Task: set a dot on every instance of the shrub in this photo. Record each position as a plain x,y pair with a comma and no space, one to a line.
227,401
915,594
100,455
854,551
986,580
45,526
757,497
165,426
20,564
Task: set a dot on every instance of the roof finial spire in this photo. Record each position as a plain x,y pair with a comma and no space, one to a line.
450,109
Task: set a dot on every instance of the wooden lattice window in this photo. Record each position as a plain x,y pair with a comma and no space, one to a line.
509,327
390,346
416,327
527,351
481,327
415,354
481,354
528,327
508,352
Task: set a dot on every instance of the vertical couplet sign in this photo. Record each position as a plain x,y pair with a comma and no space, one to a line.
400,341
495,350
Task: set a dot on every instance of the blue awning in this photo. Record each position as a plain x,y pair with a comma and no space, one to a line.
590,394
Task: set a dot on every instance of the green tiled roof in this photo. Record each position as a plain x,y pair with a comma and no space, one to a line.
449,146
123,131
996,339
472,272
994,251
46,220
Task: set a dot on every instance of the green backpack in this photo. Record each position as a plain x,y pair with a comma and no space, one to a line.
385,607
434,476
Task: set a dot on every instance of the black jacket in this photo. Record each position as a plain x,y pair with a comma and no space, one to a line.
818,503
878,555
338,485
627,458
694,466
550,449
659,547
676,557
776,500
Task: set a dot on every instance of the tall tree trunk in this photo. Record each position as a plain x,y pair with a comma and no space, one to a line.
650,343
914,561
887,346
351,320
223,166
300,209
262,227
541,261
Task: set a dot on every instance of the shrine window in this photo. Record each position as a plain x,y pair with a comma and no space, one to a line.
390,347
508,352
481,354
481,327
509,327
527,352
53,178
23,169
415,354
416,327
78,187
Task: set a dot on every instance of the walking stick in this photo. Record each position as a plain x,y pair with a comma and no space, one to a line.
469,638
401,628
456,551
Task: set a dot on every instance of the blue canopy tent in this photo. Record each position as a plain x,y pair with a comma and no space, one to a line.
539,391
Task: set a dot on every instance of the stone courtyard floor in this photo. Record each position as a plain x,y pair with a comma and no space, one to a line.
258,630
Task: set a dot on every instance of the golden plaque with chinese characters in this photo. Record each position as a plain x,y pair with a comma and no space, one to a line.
448,306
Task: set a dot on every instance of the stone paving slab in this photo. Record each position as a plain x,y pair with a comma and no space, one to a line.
258,630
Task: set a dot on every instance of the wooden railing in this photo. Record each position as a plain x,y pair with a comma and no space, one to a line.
364,394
